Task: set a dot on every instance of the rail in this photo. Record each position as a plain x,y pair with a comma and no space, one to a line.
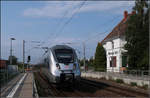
35,92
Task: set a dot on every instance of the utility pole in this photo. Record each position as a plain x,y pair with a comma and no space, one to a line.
84,55
23,54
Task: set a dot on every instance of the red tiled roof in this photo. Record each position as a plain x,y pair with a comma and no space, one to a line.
119,30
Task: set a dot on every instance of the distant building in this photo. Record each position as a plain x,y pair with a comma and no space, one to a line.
114,43
3,64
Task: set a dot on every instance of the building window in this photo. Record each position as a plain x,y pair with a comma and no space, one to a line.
113,61
124,61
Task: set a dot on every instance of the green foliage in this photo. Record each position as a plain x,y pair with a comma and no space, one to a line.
81,62
119,81
100,58
137,37
145,86
91,62
133,84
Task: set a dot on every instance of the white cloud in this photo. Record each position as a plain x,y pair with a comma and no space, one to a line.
53,9
56,9
62,40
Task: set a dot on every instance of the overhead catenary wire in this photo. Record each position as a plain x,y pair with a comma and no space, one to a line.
97,34
69,20
59,23
90,38
100,33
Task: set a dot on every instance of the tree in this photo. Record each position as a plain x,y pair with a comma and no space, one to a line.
81,62
100,58
137,36
91,61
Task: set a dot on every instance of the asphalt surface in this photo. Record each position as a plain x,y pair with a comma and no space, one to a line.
6,89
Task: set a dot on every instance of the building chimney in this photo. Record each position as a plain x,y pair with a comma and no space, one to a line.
125,15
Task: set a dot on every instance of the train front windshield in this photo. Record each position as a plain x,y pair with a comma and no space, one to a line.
64,55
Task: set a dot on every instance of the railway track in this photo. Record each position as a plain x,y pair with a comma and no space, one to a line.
60,91
85,88
49,88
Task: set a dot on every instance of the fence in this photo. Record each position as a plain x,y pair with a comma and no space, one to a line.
137,72
128,79
6,76
133,74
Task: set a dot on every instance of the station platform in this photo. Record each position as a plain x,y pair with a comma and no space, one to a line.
20,87
27,88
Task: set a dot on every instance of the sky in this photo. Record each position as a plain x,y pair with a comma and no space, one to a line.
57,22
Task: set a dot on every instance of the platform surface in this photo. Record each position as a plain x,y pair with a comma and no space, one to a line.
27,88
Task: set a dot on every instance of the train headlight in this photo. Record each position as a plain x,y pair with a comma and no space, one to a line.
74,66
58,66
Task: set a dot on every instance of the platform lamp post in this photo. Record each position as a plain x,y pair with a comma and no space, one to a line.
11,39
10,59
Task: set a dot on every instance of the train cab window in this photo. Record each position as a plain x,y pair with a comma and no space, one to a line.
64,55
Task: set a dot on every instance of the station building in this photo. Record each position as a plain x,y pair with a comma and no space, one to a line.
114,43
3,64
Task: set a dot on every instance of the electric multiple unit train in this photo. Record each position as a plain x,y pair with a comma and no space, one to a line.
60,63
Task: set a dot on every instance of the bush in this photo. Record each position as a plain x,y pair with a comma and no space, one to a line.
119,81
145,86
133,84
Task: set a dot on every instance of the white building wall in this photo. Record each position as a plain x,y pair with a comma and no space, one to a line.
108,45
116,51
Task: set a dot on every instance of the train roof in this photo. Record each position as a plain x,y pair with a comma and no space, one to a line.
60,47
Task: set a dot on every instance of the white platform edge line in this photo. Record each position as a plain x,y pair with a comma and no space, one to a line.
13,91
36,92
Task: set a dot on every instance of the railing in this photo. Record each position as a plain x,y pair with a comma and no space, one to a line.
134,74
6,76
137,72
